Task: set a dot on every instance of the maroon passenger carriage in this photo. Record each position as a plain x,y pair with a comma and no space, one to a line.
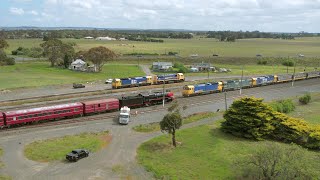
102,105
43,113
1,120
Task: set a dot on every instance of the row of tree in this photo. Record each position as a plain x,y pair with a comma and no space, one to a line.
4,59
233,35
68,33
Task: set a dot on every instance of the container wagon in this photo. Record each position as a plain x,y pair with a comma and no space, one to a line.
300,76
231,85
283,78
313,74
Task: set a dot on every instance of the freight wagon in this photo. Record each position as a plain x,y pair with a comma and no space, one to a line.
283,78
300,76
313,74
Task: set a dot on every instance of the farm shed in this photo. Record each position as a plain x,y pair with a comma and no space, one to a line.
78,65
162,66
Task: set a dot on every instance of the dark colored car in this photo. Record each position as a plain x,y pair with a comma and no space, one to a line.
77,154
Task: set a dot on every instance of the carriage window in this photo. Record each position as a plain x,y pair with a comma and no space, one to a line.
26,117
75,109
99,105
30,116
36,115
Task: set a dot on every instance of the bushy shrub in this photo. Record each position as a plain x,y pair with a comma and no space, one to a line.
172,53
182,70
305,99
288,63
10,61
283,106
262,62
250,118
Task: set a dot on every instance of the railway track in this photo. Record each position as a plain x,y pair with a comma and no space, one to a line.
189,102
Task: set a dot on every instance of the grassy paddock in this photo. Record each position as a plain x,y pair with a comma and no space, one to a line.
56,148
32,74
201,46
153,127
309,112
205,153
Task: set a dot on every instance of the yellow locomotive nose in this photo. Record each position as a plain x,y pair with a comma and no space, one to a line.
188,90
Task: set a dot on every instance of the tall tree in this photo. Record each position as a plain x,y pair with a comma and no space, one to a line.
172,121
55,49
99,55
3,44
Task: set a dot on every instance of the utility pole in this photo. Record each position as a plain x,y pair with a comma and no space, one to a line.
241,80
225,100
163,98
293,76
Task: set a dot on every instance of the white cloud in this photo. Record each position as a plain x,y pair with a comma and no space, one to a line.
33,12
280,15
16,11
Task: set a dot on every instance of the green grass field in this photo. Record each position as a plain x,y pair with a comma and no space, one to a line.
57,148
205,153
153,127
201,46
32,74
309,112
208,153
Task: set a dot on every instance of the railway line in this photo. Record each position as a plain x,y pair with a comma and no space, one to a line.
274,90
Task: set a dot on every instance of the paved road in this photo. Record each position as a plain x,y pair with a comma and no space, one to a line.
122,149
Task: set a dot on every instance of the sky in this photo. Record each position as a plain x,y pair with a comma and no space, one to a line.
234,15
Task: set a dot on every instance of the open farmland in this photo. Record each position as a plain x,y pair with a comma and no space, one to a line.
202,46
31,74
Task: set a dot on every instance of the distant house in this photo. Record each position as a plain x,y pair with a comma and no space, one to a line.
161,66
194,55
88,37
78,65
202,66
122,39
106,38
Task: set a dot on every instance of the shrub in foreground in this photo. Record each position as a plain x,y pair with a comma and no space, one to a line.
305,99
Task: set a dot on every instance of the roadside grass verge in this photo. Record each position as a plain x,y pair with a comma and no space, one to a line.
153,127
56,148
205,153
1,163
309,112
35,74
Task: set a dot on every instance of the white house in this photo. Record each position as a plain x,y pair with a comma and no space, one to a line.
106,38
88,37
78,65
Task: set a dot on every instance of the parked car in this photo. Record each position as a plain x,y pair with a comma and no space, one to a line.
108,81
75,85
77,154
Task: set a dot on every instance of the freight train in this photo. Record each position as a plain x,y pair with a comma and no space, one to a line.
40,114
147,80
230,85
